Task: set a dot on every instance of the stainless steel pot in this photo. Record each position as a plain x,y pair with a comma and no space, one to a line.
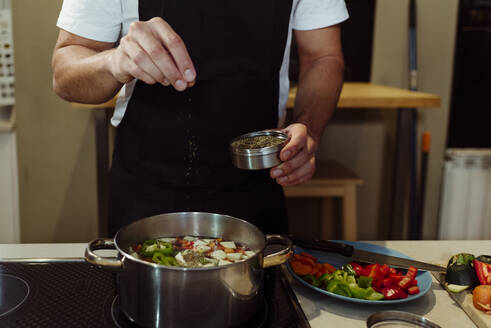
152,295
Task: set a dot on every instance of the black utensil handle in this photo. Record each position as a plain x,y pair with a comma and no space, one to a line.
322,245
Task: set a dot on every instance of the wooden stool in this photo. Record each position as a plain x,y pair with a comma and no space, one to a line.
331,179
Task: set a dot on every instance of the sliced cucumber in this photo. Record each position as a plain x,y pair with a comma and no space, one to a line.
456,288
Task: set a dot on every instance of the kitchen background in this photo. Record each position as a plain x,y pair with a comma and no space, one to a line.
53,149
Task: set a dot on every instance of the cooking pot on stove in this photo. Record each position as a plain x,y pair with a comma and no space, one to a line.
153,295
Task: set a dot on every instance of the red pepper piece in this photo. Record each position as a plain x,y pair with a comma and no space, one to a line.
396,277
394,271
413,290
408,278
374,273
393,293
389,282
373,270
384,270
483,272
360,271
304,254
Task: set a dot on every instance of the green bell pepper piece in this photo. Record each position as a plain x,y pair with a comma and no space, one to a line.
365,282
342,289
313,280
166,249
149,242
169,261
158,257
357,291
372,295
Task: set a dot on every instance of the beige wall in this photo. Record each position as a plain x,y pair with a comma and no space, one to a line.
57,181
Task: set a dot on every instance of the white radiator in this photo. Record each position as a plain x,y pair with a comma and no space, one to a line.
465,207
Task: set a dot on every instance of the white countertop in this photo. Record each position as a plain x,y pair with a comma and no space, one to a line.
436,305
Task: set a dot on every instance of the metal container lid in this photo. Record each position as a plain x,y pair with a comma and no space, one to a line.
396,319
259,151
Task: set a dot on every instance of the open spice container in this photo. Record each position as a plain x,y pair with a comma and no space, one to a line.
395,319
257,150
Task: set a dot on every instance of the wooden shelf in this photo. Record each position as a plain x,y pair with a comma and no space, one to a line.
355,95
374,96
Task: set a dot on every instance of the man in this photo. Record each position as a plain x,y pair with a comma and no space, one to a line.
195,74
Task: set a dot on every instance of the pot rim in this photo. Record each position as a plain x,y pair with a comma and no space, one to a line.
126,255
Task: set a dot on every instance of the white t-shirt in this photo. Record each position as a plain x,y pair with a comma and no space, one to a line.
109,20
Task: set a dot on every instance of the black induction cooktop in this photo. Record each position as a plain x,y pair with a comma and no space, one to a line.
72,293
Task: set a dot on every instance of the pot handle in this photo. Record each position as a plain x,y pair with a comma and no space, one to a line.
279,257
111,264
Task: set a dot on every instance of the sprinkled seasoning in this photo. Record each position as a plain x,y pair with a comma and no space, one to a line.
256,142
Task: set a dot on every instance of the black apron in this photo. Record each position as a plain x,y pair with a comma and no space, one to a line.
171,149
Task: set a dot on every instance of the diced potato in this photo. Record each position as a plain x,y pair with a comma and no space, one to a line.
250,253
152,248
234,256
228,244
219,255
199,243
180,259
202,248
167,240
224,262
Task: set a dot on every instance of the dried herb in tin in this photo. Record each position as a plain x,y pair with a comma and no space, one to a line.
256,142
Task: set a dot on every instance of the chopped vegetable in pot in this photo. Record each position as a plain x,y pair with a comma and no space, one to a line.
191,251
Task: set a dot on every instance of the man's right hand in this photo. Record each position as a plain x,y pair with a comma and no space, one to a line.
153,53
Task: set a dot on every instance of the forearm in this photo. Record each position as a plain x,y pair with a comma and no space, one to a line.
318,91
82,75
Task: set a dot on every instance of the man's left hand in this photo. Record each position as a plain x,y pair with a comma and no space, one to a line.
298,157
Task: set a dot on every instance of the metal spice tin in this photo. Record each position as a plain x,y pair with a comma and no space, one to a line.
257,158
398,319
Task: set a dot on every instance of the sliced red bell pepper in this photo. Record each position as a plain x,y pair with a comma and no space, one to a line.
393,293
483,272
304,254
413,290
396,277
389,282
372,270
384,270
394,271
358,268
304,260
408,278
